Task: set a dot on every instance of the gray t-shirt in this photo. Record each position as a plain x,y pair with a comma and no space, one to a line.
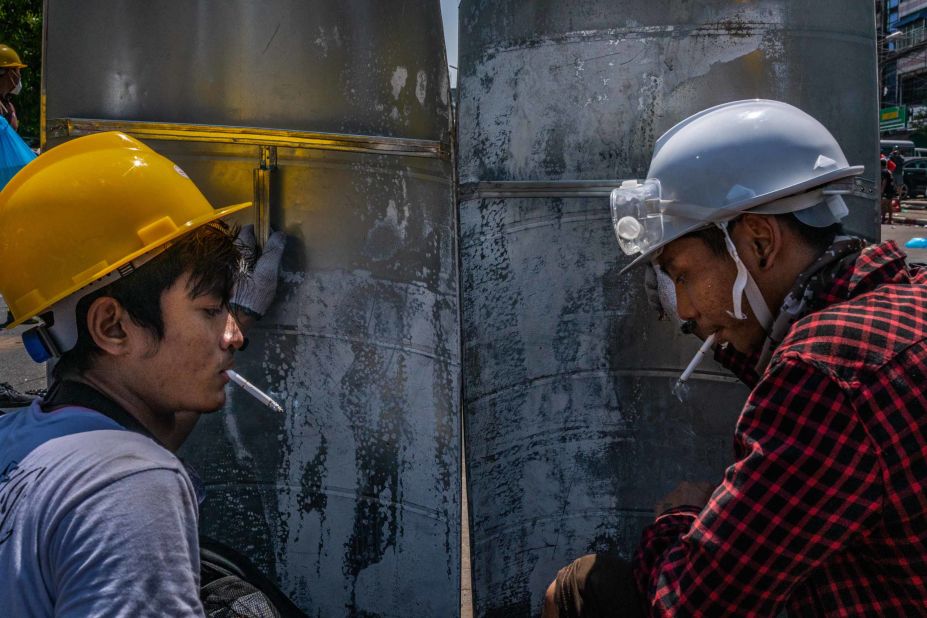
94,520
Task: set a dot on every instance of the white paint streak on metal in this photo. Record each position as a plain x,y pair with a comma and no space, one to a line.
421,86
398,81
639,95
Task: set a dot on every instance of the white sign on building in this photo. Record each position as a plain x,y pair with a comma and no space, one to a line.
909,6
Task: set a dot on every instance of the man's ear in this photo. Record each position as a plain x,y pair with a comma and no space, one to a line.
760,242
106,320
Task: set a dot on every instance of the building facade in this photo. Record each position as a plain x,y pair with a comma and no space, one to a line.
902,32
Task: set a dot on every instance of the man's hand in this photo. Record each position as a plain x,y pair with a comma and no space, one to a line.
255,292
8,108
549,609
687,493
14,119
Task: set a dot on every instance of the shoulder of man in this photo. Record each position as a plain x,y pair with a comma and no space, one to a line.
101,509
72,453
113,453
74,468
863,334
74,435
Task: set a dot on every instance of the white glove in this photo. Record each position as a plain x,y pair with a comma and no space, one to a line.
661,292
255,292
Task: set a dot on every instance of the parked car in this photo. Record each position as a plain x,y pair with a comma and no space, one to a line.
914,176
905,147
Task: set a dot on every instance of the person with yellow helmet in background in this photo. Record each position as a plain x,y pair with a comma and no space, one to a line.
132,275
10,83
14,153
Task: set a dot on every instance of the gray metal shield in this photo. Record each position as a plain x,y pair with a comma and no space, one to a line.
335,119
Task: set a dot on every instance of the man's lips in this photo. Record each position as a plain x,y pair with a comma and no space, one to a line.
705,333
224,372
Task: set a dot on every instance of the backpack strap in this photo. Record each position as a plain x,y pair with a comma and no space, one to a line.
73,393
66,393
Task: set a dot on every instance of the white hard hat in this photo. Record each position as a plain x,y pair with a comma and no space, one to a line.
760,156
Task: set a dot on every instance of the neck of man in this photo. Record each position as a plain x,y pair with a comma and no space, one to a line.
159,422
778,281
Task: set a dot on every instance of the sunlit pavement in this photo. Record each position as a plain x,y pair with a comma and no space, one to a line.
910,223
15,365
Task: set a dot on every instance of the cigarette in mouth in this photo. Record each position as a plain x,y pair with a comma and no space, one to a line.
697,359
254,391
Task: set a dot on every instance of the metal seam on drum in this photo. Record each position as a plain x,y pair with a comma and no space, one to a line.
489,189
73,127
535,188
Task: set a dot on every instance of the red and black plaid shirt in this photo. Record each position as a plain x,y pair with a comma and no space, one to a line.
825,510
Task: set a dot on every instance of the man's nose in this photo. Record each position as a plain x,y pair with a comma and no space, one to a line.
684,307
232,337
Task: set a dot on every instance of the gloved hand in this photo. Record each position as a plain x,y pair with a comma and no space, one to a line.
256,291
661,292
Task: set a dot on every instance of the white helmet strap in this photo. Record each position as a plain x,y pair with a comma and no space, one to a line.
63,330
745,284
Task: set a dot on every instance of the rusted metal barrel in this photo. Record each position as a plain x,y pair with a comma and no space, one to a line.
571,431
335,119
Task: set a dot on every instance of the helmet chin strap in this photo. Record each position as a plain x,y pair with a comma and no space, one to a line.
745,284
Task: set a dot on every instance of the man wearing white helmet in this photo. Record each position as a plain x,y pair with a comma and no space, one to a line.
824,510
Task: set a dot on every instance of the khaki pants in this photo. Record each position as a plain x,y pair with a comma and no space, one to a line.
597,586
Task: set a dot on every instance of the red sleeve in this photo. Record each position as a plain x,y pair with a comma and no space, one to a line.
806,482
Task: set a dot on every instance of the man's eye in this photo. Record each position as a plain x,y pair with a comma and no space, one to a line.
680,279
214,311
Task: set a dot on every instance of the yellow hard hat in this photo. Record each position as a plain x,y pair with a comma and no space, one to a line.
9,59
86,208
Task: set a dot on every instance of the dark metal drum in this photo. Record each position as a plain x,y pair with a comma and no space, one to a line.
335,119
572,433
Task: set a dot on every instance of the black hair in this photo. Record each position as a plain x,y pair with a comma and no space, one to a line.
210,256
818,238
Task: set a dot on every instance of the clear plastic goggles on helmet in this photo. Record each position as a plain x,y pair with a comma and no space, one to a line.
637,215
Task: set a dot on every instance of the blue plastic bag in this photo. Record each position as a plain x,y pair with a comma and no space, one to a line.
916,243
14,153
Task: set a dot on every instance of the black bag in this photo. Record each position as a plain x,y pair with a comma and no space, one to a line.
230,587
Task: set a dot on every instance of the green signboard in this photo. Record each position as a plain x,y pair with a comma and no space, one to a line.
893,118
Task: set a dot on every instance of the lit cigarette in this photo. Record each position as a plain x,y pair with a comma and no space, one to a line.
254,391
697,359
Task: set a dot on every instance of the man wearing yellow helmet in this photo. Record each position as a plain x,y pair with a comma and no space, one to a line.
131,273
10,83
